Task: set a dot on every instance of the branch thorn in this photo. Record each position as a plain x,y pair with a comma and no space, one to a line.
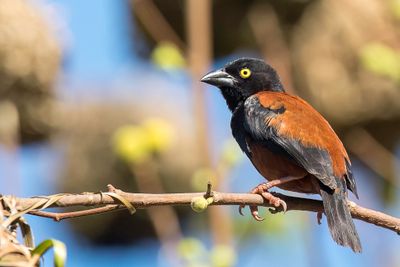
209,192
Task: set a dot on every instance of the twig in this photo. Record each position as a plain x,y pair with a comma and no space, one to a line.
209,192
142,201
58,216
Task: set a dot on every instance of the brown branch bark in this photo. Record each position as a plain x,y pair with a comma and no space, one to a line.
58,216
143,201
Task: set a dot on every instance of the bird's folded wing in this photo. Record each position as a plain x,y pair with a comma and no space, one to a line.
291,124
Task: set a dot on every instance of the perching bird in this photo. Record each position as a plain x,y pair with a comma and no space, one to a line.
288,142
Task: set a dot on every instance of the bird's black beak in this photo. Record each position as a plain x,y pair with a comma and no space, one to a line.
219,78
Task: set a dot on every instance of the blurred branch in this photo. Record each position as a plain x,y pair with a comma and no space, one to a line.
9,124
198,31
155,23
169,234
142,201
199,52
9,139
264,24
373,154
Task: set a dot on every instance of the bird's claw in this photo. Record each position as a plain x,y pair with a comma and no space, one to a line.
254,213
241,207
283,204
319,217
273,200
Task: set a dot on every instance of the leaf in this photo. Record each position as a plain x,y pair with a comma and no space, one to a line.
123,200
26,233
53,199
60,251
42,204
17,215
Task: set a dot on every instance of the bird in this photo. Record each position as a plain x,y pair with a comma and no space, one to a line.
289,143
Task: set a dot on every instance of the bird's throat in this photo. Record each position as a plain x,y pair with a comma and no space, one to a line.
232,97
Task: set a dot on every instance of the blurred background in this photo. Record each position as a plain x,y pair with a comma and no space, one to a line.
103,91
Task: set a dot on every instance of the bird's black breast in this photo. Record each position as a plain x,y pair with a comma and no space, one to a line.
238,129
243,135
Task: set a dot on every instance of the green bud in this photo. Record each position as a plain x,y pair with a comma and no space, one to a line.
199,204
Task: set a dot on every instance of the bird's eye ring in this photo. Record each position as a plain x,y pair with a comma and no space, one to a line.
245,73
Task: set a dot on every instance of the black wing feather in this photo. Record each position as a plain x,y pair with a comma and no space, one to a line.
350,181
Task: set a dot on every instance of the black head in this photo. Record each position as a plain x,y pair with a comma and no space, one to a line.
242,78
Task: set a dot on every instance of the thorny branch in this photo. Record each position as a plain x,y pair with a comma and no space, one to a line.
103,202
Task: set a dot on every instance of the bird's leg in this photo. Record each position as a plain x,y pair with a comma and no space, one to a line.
262,189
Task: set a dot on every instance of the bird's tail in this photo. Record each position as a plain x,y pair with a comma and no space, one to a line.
339,218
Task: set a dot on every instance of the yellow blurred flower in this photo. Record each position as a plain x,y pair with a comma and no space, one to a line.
382,60
167,56
395,8
136,143
160,134
130,143
223,256
231,153
201,177
191,249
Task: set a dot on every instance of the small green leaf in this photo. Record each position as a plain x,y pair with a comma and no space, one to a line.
60,251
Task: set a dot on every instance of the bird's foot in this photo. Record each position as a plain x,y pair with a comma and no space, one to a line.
319,216
262,189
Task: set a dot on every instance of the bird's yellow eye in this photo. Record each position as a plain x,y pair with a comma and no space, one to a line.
245,73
